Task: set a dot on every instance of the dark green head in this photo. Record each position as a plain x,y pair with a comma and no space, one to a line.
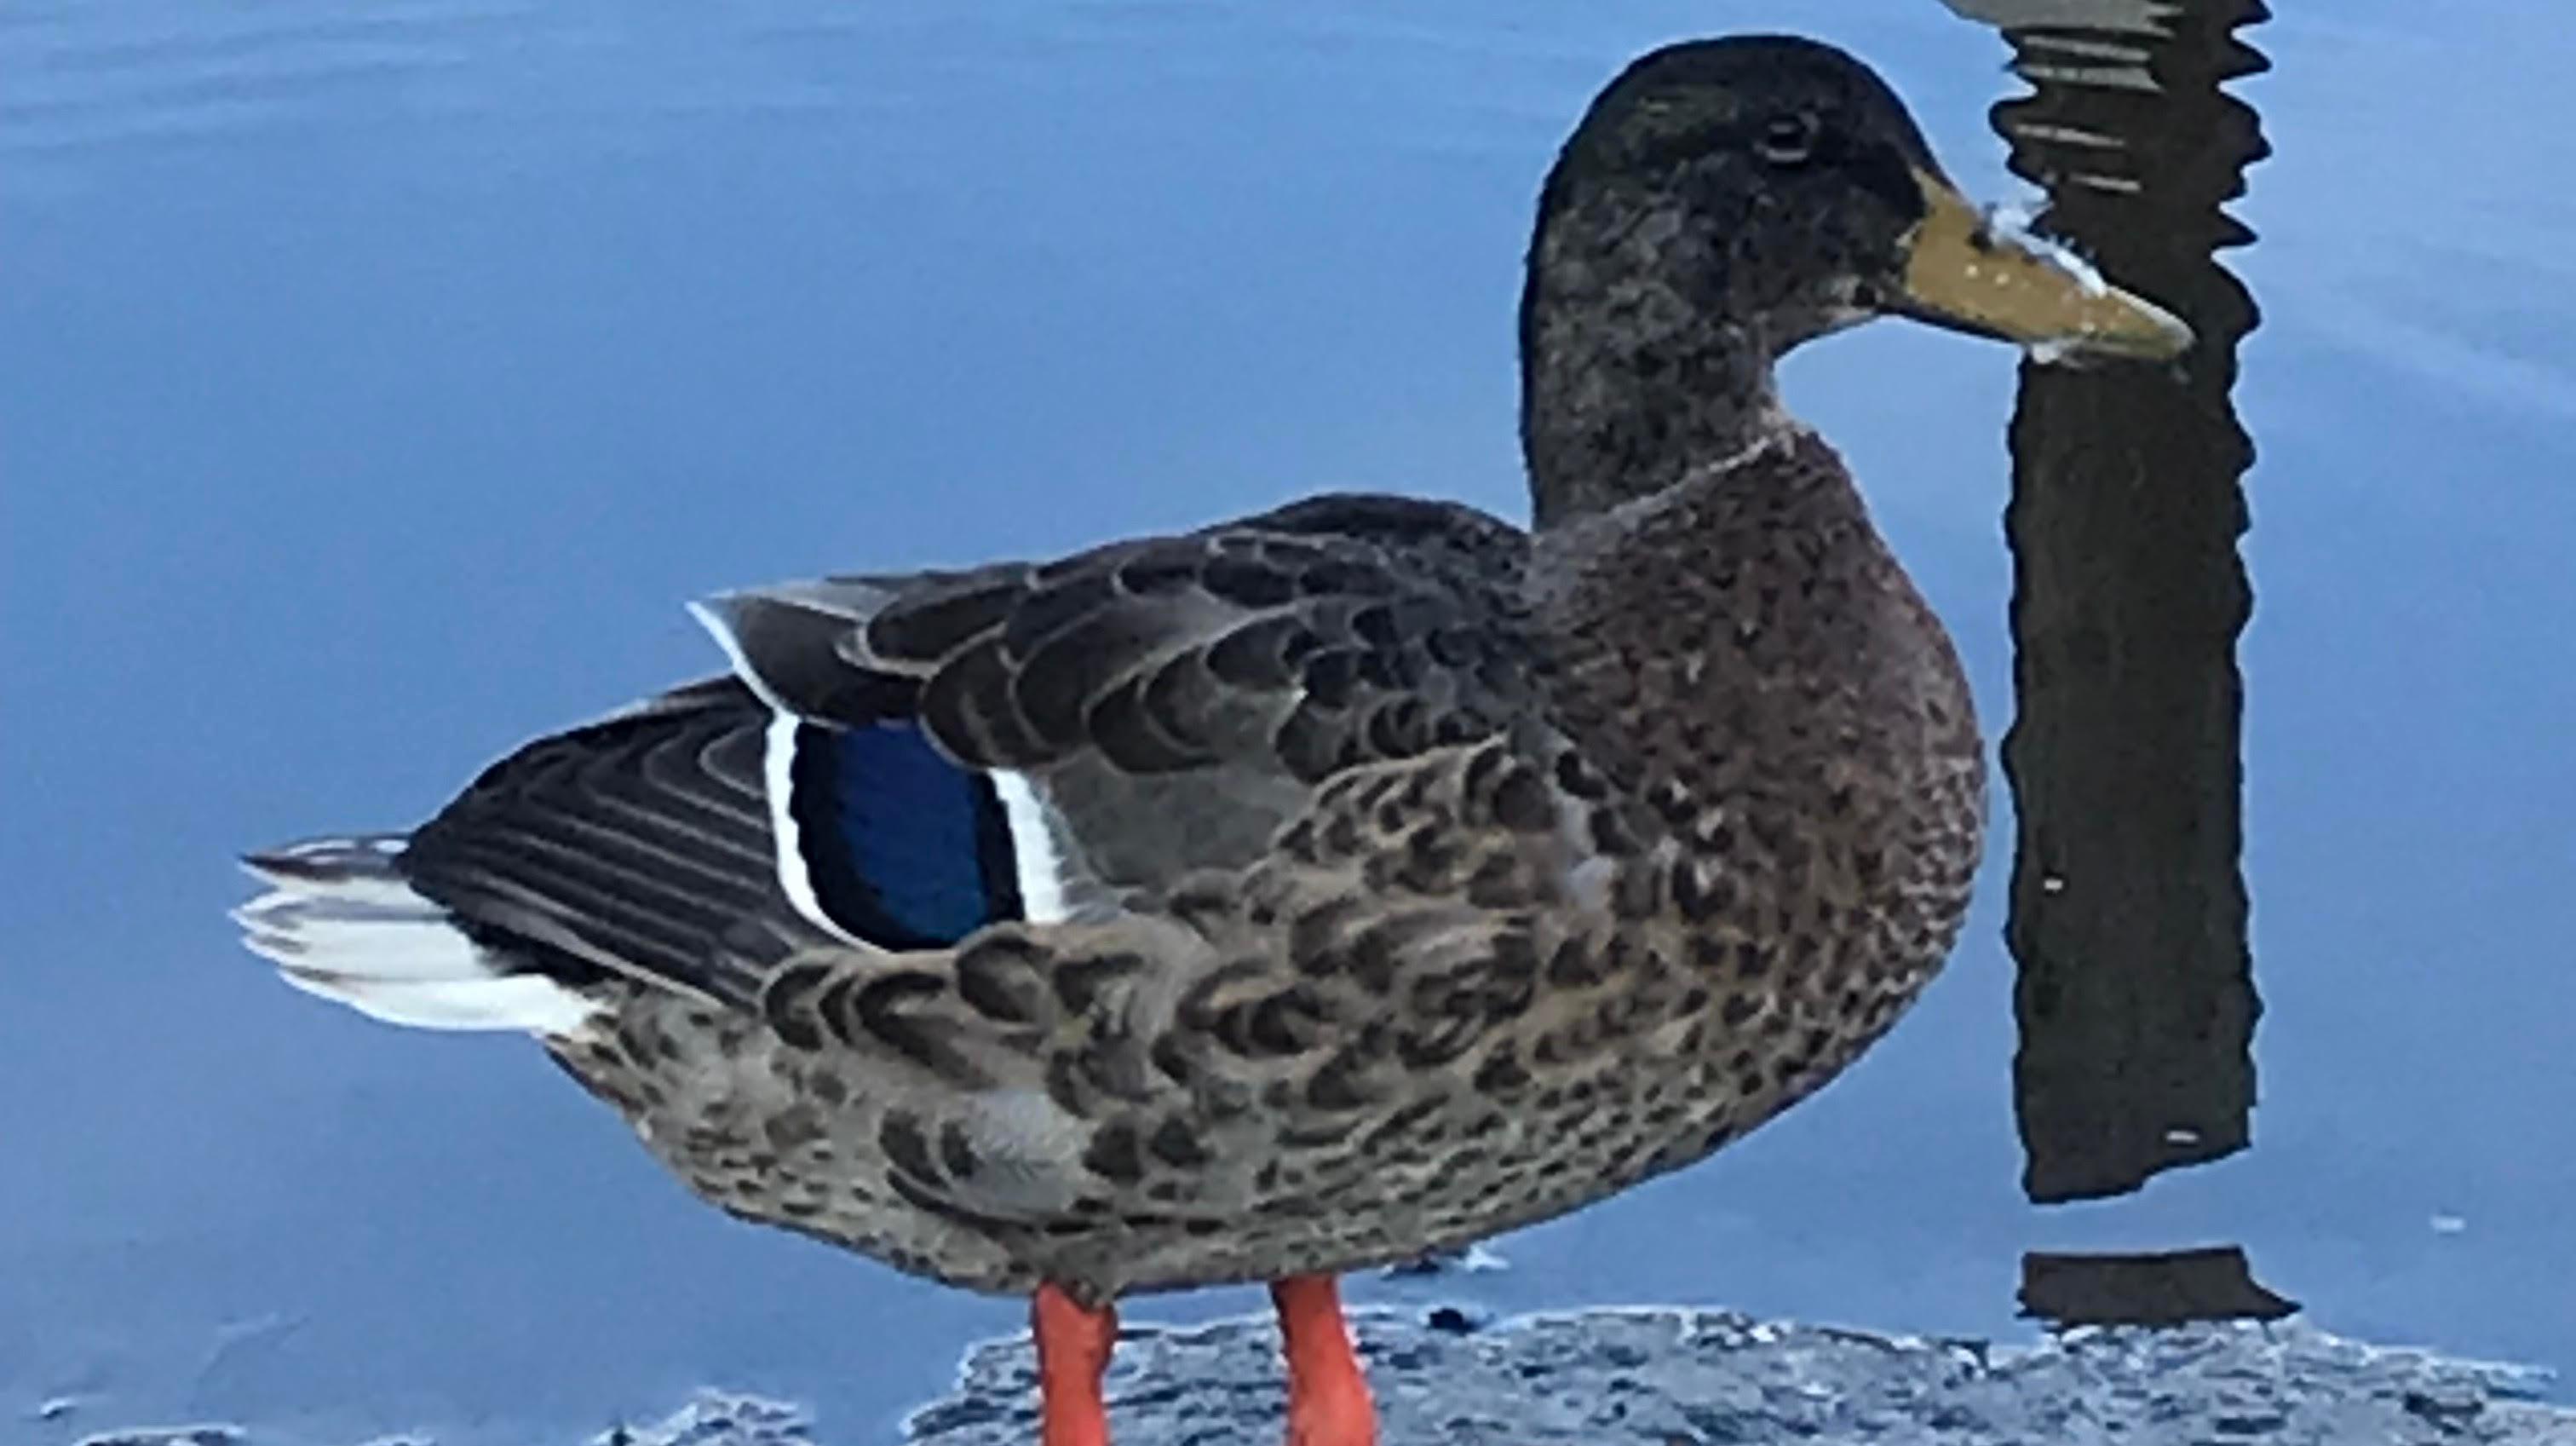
1769,174
1724,200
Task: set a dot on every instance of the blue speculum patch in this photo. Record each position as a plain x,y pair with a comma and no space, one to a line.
905,848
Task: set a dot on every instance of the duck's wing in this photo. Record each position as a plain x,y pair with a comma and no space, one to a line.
1164,705
899,762
983,831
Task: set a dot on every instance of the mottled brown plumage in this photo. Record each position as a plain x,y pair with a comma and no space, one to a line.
1325,887
1457,984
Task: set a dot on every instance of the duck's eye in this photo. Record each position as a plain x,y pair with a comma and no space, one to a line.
1787,140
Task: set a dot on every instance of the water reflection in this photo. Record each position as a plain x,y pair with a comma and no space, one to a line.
2163,1288
2136,998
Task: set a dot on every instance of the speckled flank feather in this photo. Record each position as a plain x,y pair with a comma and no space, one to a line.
1313,890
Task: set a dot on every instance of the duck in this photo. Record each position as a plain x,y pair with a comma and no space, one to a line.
1321,888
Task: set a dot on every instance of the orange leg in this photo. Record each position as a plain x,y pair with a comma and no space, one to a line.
1328,1397
1074,1342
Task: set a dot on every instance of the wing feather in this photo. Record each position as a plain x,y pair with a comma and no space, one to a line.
1176,698
1170,703
640,844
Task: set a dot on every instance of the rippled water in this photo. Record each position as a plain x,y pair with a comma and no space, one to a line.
373,386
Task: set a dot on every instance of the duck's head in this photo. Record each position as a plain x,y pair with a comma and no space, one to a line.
1724,200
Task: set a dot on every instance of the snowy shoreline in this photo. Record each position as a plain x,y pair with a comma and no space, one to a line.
1675,1377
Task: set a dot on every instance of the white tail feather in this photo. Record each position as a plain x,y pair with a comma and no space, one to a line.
518,1001
340,923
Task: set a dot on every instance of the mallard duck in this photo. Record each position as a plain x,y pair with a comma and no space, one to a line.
1321,888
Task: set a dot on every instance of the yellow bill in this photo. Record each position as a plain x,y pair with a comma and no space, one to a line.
1963,271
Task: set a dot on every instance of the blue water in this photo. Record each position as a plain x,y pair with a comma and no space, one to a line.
373,387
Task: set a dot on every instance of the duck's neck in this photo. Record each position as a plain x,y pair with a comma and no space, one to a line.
1629,378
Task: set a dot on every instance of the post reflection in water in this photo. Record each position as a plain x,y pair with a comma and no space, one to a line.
2136,1000
2160,1289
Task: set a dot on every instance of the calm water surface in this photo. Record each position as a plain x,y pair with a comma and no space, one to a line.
374,386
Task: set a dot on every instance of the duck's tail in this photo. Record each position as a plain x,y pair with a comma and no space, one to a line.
340,921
